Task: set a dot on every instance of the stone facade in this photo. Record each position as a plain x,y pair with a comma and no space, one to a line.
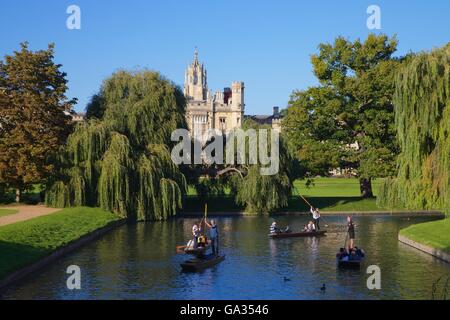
224,110
273,120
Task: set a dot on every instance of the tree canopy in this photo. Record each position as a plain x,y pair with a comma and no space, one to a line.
264,193
348,120
120,159
422,118
34,120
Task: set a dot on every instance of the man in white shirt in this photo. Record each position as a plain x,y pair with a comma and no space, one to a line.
316,216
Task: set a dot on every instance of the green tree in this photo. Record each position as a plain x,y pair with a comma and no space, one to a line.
259,193
121,162
33,122
348,120
422,117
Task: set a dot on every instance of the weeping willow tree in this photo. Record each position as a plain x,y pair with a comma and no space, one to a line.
120,159
422,115
259,193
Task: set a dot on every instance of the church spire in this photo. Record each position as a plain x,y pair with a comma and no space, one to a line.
196,86
196,55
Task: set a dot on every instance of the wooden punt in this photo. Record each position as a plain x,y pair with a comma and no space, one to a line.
298,234
198,250
354,263
197,264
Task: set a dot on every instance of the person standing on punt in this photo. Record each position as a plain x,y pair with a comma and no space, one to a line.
351,233
214,236
316,217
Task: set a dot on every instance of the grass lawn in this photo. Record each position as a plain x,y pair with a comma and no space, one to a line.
334,187
435,234
5,212
25,242
329,194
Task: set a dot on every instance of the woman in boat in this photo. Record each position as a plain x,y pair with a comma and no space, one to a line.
214,236
316,217
311,226
351,233
196,234
273,228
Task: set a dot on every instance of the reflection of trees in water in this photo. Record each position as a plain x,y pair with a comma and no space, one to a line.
440,288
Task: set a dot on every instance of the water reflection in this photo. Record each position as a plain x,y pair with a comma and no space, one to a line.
140,262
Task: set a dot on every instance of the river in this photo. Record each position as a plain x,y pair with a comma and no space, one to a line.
138,261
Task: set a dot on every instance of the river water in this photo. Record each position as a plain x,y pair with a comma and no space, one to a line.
139,261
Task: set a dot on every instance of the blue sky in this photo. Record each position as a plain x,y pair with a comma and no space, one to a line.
266,44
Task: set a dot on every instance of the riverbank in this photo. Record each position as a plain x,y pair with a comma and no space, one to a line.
224,205
329,194
405,213
430,237
28,245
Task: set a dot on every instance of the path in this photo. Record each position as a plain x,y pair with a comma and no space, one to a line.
25,212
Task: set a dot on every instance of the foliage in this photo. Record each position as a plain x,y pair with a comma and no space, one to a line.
210,186
26,242
121,161
264,193
347,121
422,117
33,124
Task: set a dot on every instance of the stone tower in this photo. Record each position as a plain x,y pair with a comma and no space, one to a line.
223,111
195,82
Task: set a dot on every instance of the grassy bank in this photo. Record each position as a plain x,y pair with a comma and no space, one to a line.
26,242
329,194
435,234
5,212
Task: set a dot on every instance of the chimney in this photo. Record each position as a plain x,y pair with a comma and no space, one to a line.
276,110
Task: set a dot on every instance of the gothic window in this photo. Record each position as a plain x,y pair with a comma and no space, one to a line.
222,123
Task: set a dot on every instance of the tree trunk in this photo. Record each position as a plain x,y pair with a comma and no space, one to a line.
18,194
365,186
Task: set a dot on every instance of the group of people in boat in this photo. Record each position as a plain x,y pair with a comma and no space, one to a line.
351,252
312,225
200,238
348,253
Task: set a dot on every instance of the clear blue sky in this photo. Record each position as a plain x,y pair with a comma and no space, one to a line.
266,44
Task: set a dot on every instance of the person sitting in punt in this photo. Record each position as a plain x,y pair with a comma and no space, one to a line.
342,253
305,228
359,252
196,234
273,228
311,227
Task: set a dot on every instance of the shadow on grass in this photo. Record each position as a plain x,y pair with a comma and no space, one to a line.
15,256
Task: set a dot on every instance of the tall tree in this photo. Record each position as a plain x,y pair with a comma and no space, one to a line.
33,122
422,117
121,160
348,120
259,193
